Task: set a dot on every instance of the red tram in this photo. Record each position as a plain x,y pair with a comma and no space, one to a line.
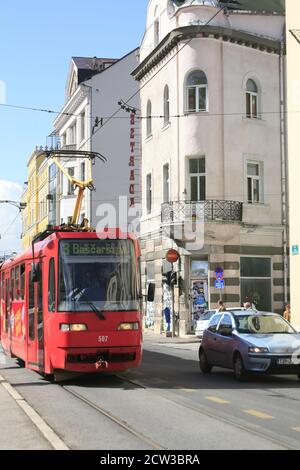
73,303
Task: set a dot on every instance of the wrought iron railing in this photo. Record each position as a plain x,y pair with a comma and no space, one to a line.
212,210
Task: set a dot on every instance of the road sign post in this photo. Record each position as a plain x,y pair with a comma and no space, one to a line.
172,257
219,282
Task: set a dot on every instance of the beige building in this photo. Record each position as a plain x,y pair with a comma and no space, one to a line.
293,108
35,214
213,155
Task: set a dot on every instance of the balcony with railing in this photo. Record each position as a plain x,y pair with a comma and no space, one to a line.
209,211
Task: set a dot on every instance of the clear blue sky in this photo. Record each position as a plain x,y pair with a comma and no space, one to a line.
37,40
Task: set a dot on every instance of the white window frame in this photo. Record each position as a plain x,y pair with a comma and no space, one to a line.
259,178
149,201
251,94
166,164
198,175
82,125
70,187
82,171
166,105
72,134
197,89
149,119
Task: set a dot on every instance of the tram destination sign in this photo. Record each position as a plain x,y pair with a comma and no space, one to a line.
95,248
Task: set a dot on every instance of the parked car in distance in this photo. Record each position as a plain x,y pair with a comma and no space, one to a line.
250,341
204,320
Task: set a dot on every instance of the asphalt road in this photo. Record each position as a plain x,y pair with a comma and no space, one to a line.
165,404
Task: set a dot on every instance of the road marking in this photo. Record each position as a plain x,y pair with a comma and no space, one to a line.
258,414
186,390
296,429
218,400
155,381
34,417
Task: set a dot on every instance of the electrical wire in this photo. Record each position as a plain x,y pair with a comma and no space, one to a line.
205,114
10,225
150,79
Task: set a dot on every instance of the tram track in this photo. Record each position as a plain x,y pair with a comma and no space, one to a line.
180,401
124,425
211,414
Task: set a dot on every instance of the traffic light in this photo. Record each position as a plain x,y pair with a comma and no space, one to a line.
170,278
174,279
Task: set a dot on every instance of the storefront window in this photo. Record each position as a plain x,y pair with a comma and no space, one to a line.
256,282
199,269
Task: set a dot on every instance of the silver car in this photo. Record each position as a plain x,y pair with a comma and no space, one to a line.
250,341
204,320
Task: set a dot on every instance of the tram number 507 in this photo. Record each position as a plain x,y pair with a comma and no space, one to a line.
102,339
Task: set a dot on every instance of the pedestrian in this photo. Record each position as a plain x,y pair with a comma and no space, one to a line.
221,306
167,313
287,313
248,304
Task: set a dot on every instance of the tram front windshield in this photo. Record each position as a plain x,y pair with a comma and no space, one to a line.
97,273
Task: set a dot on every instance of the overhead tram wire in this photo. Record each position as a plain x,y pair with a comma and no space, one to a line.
113,116
151,78
152,116
2,235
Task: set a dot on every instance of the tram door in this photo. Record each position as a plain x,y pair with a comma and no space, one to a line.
35,348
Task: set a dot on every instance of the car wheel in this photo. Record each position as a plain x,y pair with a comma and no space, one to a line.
239,369
205,367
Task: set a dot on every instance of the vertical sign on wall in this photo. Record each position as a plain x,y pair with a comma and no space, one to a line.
134,161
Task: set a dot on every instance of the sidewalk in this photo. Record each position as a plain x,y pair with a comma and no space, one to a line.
162,338
17,431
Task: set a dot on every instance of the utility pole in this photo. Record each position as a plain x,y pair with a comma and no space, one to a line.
172,257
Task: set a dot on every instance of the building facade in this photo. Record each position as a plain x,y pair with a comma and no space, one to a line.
293,107
92,120
35,215
213,156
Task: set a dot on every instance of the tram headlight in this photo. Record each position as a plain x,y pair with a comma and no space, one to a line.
128,326
73,327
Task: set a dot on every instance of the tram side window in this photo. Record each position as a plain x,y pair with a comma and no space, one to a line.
2,287
51,286
17,283
7,304
31,328
12,283
40,308
22,281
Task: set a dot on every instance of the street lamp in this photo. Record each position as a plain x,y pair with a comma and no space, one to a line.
18,205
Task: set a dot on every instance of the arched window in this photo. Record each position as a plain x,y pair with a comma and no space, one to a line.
251,99
149,119
196,92
166,105
156,26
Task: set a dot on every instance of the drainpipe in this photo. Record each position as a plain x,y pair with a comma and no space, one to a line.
282,79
